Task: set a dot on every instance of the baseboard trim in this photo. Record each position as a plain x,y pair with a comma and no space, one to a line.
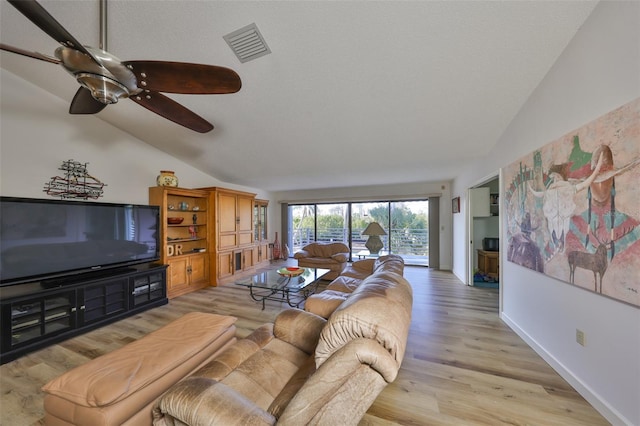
593,398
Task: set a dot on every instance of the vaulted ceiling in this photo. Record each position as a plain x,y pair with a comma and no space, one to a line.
353,93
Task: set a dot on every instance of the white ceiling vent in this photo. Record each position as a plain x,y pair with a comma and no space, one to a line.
247,43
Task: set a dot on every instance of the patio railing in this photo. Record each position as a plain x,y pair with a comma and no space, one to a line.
408,241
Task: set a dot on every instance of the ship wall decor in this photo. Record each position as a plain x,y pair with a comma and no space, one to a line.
77,183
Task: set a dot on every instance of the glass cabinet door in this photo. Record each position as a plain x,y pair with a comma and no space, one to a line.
260,220
263,222
256,222
32,319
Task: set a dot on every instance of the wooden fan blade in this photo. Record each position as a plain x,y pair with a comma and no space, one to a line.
181,77
171,110
84,103
29,54
47,23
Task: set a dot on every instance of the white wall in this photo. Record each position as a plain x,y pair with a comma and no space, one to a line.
387,192
598,72
37,134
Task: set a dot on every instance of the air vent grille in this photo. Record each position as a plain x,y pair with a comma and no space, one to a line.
247,43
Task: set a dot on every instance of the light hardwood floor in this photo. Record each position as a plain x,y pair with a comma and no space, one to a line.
463,365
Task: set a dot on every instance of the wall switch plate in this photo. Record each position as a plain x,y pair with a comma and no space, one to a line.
580,337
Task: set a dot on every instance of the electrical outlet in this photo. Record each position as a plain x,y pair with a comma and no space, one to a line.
580,337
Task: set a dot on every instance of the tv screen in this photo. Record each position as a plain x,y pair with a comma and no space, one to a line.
43,239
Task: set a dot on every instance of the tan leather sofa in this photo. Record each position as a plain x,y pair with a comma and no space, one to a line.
332,256
302,369
325,302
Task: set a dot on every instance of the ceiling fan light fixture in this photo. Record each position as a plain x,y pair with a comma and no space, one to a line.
102,88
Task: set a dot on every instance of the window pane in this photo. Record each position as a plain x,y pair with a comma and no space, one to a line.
410,231
361,215
332,223
301,226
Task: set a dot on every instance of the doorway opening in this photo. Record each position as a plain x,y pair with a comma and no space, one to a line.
483,266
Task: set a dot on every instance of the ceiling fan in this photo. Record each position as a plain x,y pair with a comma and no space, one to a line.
104,79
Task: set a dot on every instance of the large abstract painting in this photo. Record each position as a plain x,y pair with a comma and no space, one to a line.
573,207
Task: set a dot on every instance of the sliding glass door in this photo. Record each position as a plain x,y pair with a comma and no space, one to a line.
406,224
409,236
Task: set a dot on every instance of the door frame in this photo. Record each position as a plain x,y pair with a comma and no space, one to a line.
469,228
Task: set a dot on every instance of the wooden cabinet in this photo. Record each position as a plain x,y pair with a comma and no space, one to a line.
185,245
260,232
489,263
248,258
232,236
245,221
187,273
234,261
225,264
234,217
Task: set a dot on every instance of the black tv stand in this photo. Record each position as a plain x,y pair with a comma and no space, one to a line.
84,277
38,314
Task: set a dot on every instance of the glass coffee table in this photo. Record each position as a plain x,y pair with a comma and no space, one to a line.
284,286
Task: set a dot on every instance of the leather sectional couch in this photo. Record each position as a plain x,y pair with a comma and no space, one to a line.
302,369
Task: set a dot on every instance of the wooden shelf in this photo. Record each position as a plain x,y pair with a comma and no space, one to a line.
188,270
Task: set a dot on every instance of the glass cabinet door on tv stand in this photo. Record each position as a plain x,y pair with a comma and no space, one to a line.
32,319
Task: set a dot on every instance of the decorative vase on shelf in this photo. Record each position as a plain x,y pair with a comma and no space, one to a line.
167,178
285,252
276,248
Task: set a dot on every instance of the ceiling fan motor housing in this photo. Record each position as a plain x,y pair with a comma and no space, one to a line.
108,80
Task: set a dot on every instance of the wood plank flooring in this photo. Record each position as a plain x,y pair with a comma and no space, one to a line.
463,365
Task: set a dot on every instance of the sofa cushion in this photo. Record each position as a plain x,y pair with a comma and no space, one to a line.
325,302
223,364
391,262
379,309
203,401
292,387
299,328
344,284
264,374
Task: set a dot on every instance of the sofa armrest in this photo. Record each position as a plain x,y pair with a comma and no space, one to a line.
301,254
299,328
344,387
202,401
340,257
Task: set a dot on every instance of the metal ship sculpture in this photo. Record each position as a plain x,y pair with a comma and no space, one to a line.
77,183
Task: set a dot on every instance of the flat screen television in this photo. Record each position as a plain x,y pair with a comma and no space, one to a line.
48,239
